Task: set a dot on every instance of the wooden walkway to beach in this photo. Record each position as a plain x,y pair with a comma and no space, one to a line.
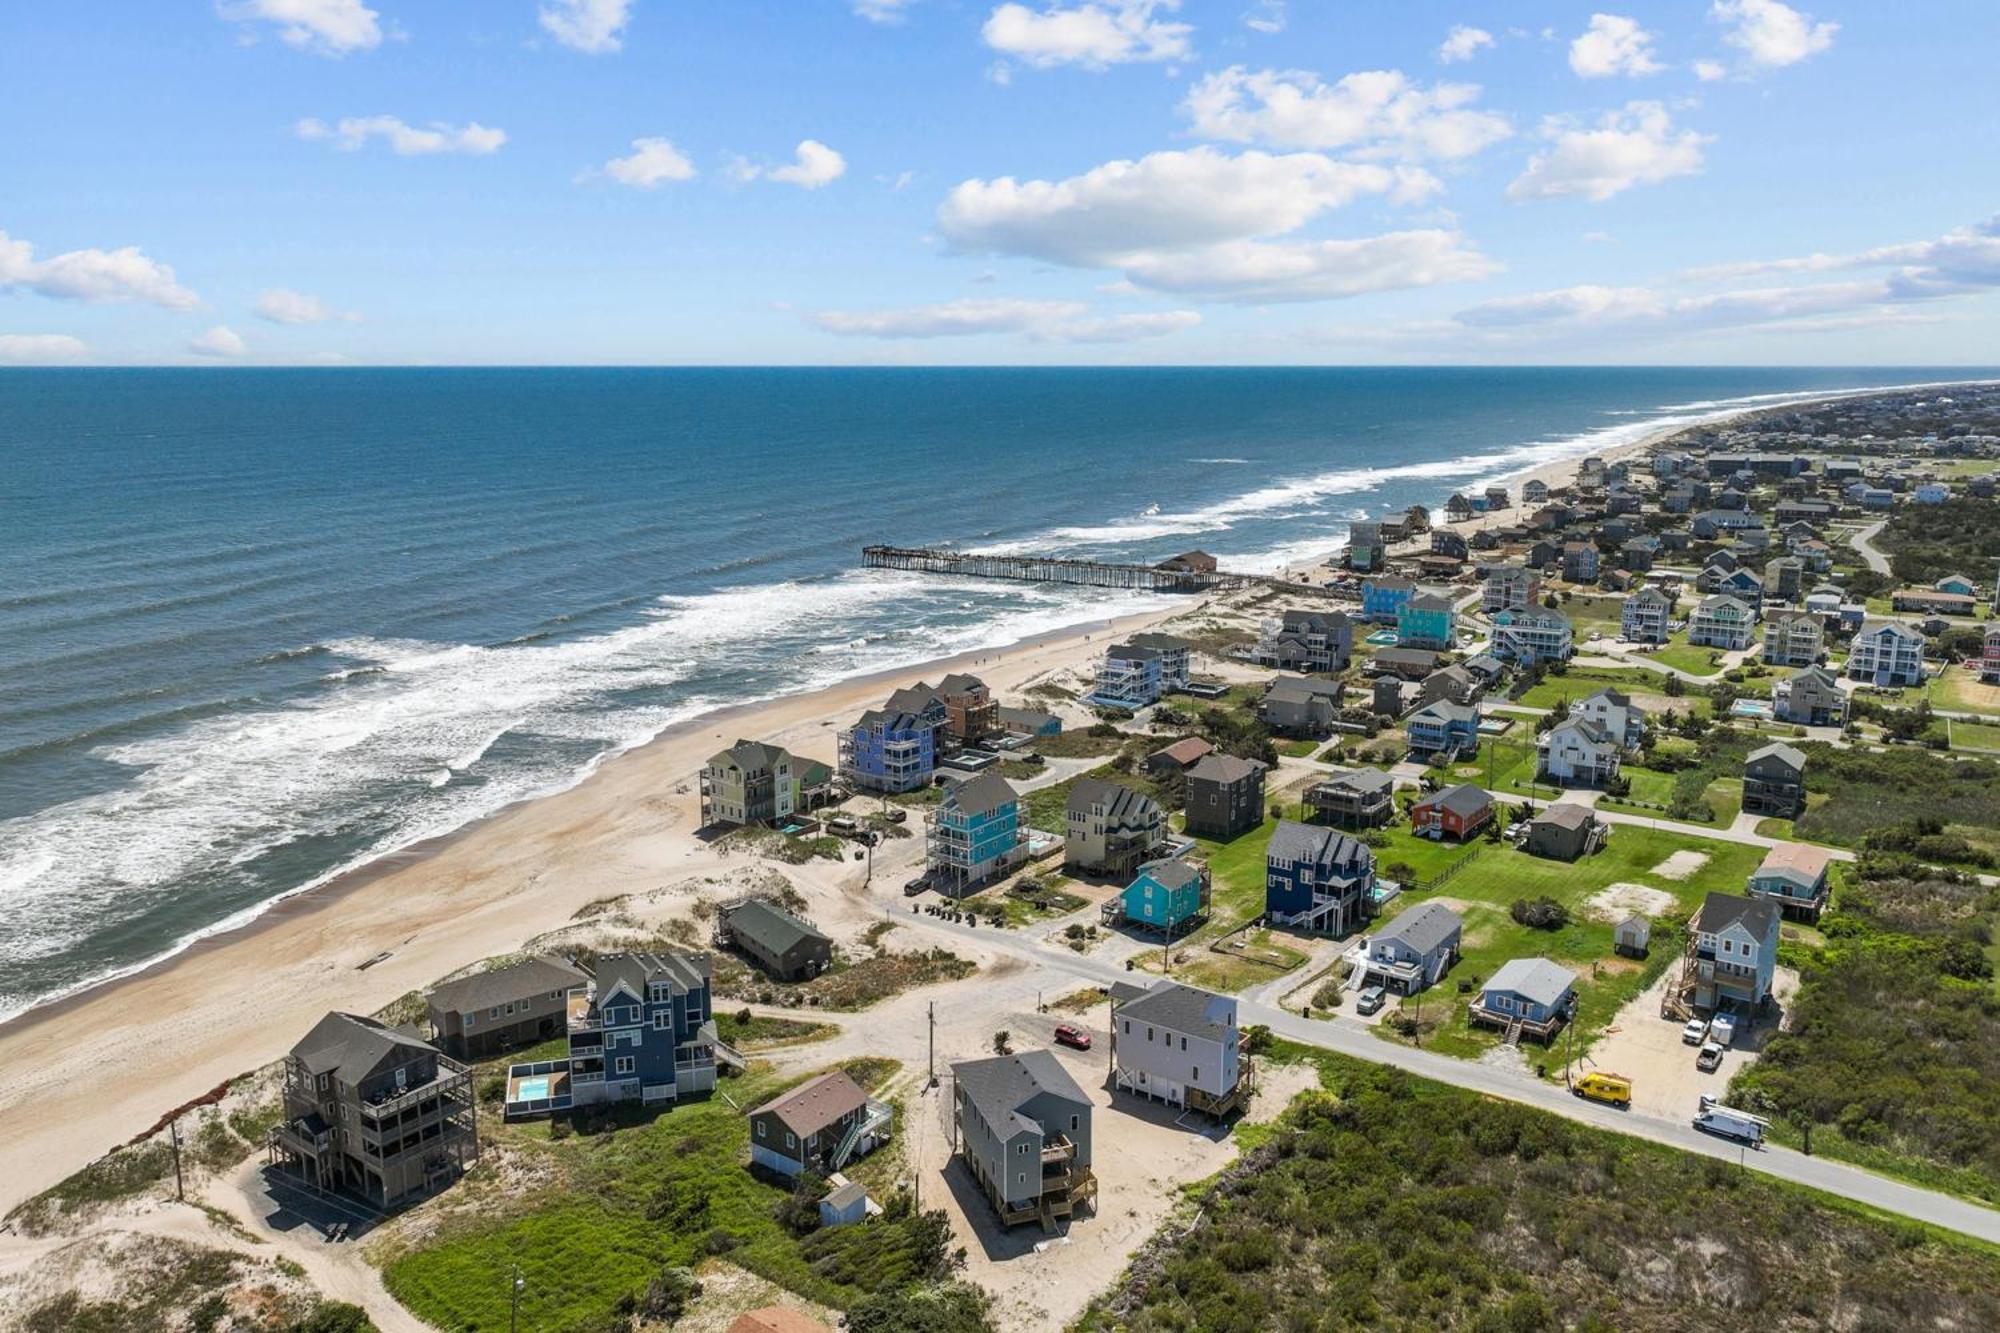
1028,568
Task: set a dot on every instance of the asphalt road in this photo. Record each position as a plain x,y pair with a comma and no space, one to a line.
1836,1178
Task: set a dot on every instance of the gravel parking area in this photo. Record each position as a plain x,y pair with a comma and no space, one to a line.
1648,1050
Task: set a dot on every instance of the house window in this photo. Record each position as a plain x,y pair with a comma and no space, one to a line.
1074,1123
1183,1043
1195,1077
1128,1027
494,1012
1149,1034
1022,1150
791,1140
622,1065
662,1021
760,1129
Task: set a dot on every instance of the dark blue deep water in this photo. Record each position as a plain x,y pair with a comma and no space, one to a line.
260,625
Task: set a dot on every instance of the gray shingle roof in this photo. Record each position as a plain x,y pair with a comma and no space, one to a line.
505,985
1566,815
1293,841
1463,799
351,1047
1197,1013
816,1103
983,794
1719,910
1778,750
1362,780
1120,803
1000,1085
1536,979
684,972
1172,872
1423,927
1224,768
767,924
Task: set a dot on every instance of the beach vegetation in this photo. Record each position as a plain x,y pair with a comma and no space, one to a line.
1925,543
1488,1215
749,1032
1891,1057
1898,798
625,1205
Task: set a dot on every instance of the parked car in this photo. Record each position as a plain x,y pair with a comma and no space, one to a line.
1696,1031
1068,1035
912,888
1611,1089
1715,1118
1370,1000
1710,1058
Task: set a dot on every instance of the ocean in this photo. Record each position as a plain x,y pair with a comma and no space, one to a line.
260,626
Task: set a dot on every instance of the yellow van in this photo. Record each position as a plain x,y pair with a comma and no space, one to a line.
1611,1089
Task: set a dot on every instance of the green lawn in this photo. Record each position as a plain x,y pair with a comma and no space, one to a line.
1487,888
744,1031
1959,690
1584,681
598,1214
1693,660
1973,735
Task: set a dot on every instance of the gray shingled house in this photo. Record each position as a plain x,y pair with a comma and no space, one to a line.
1023,1127
783,945
497,1010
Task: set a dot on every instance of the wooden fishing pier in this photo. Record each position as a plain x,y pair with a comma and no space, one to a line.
1028,568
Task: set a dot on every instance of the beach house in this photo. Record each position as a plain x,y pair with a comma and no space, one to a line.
1409,663
1613,710
1317,880
1442,727
1509,588
1795,877
1022,1127
1029,722
892,749
1359,798
1138,671
1578,752
1300,705
1565,832
1224,797
1732,953
643,1031
1644,616
1455,812
371,1111
1364,547
819,1126
1426,621
1886,653
1528,637
1793,639
1414,951
1526,997
1721,622
1109,829
1810,697
503,1007
1320,641
1168,895
756,783
1774,781
1178,1045
971,712
1383,596
974,835
1989,655
1579,562
784,946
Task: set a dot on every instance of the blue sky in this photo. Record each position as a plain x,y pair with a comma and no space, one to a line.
943,181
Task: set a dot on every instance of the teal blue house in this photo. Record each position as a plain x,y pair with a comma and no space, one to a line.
1166,896
975,834
1426,621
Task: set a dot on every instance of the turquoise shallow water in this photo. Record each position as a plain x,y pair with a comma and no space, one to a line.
259,626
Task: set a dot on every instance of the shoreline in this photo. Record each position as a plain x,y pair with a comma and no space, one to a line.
232,1000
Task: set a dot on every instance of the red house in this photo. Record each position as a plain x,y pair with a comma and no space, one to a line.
1456,812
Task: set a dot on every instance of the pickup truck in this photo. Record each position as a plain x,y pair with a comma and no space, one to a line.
1695,1033
1710,1058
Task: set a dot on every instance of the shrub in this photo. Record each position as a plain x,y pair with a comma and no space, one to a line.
1540,913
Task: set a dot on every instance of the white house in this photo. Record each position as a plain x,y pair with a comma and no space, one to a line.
1793,638
1721,622
1621,719
1178,1045
1888,653
1580,753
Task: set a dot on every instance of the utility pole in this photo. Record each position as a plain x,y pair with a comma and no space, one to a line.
931,1059
180,1191
514,1301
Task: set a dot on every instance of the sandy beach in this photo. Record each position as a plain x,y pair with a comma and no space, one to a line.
238,1000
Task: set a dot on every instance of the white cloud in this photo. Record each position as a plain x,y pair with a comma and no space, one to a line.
652,163
328,27
280,305
1963,260
1708,71
1613,45
352,132
218,341
1375,112
1093,35
1054,321
1199,222
1267,16
1635,146
38,349
99,277
1770,33
1271,271
896,183
1463,43
590,26
882,11
813,165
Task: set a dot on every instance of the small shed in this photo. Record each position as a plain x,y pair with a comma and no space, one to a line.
1633,937
846,1202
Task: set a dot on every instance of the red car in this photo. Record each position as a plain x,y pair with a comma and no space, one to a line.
1071,1036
